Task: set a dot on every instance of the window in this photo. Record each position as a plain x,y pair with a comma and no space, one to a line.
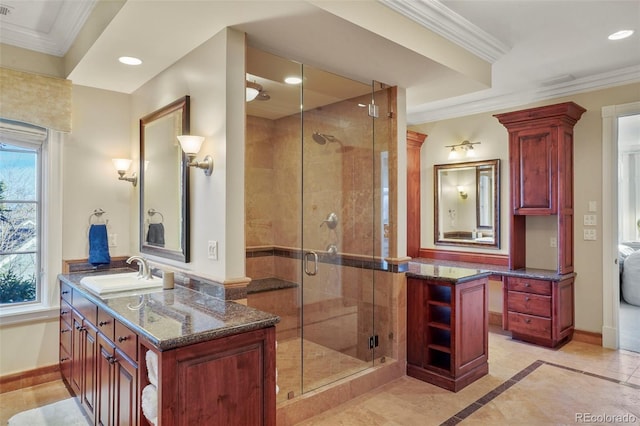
20,217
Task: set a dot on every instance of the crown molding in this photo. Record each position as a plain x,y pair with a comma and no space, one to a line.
471,104
445,22
71,18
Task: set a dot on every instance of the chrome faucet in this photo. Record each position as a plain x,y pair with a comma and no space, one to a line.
144,272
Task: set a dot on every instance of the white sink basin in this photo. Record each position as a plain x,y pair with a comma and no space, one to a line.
101,284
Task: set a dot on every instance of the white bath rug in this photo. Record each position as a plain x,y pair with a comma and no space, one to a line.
61,413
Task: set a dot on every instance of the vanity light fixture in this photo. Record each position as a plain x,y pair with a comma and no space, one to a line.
191,146
463,193
252,90
122,165
464,147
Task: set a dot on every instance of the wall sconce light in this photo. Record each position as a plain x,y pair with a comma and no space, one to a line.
464,147
463,193
122,165
191,146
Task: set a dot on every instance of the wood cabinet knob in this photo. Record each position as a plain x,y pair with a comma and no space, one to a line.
527,284
527,320
66,330
64,312
122,338
103,323
65,292
526,299
64,359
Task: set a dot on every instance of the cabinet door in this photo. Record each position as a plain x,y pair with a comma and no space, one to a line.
76,353
89,368
104,386
125,391
533,169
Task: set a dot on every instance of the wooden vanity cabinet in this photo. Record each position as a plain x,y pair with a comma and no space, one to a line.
447,331
541,175
539,311
229,380
95,368
236,372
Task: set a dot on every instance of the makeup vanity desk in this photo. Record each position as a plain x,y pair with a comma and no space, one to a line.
447,316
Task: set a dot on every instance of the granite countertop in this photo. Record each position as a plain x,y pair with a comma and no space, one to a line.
542,274
439,272
173,318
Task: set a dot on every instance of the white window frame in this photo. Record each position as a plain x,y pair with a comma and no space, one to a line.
51,224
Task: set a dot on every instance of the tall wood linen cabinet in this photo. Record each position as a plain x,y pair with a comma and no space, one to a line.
541,183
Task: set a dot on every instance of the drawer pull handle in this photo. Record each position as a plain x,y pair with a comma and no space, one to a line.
103,323
80,328
112,360
64,312
122,338
64,359
66,330
526,299
527,320
65,292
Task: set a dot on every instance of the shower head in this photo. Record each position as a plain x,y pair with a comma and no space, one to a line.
321,138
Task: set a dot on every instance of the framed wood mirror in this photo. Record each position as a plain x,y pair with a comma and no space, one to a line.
164,182
467,204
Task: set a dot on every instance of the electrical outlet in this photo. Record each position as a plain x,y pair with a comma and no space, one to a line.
553,242
113,240
212,250
590,220
589,234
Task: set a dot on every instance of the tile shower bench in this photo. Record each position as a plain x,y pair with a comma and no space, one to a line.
205,358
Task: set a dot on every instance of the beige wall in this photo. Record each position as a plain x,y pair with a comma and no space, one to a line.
213,76
588,182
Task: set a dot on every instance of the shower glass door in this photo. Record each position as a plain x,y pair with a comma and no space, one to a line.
337,228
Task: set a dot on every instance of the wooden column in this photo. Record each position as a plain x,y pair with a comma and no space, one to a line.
414,143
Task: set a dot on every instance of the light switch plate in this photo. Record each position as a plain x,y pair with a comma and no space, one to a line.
593,206
589,234
212,250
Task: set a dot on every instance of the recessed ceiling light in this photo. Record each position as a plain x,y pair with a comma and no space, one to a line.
293,80
129,60
619,35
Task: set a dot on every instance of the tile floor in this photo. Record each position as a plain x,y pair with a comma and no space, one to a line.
526,385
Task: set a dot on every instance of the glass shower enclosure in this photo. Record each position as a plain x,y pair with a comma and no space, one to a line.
315,172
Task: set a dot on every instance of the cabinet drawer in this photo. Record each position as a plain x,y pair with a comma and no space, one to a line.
530,325
65,336
86,307
65,312
65,292
106,324
126,340
527,303
530,286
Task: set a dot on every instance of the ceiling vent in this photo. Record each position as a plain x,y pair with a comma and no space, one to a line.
5,10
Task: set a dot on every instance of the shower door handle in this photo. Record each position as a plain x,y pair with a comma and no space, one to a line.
314,255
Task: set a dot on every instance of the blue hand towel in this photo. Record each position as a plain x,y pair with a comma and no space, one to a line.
98,245
155,235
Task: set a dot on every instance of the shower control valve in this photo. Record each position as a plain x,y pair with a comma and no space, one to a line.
331,221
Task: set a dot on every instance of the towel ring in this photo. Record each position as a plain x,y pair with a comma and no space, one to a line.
98,214
152,212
